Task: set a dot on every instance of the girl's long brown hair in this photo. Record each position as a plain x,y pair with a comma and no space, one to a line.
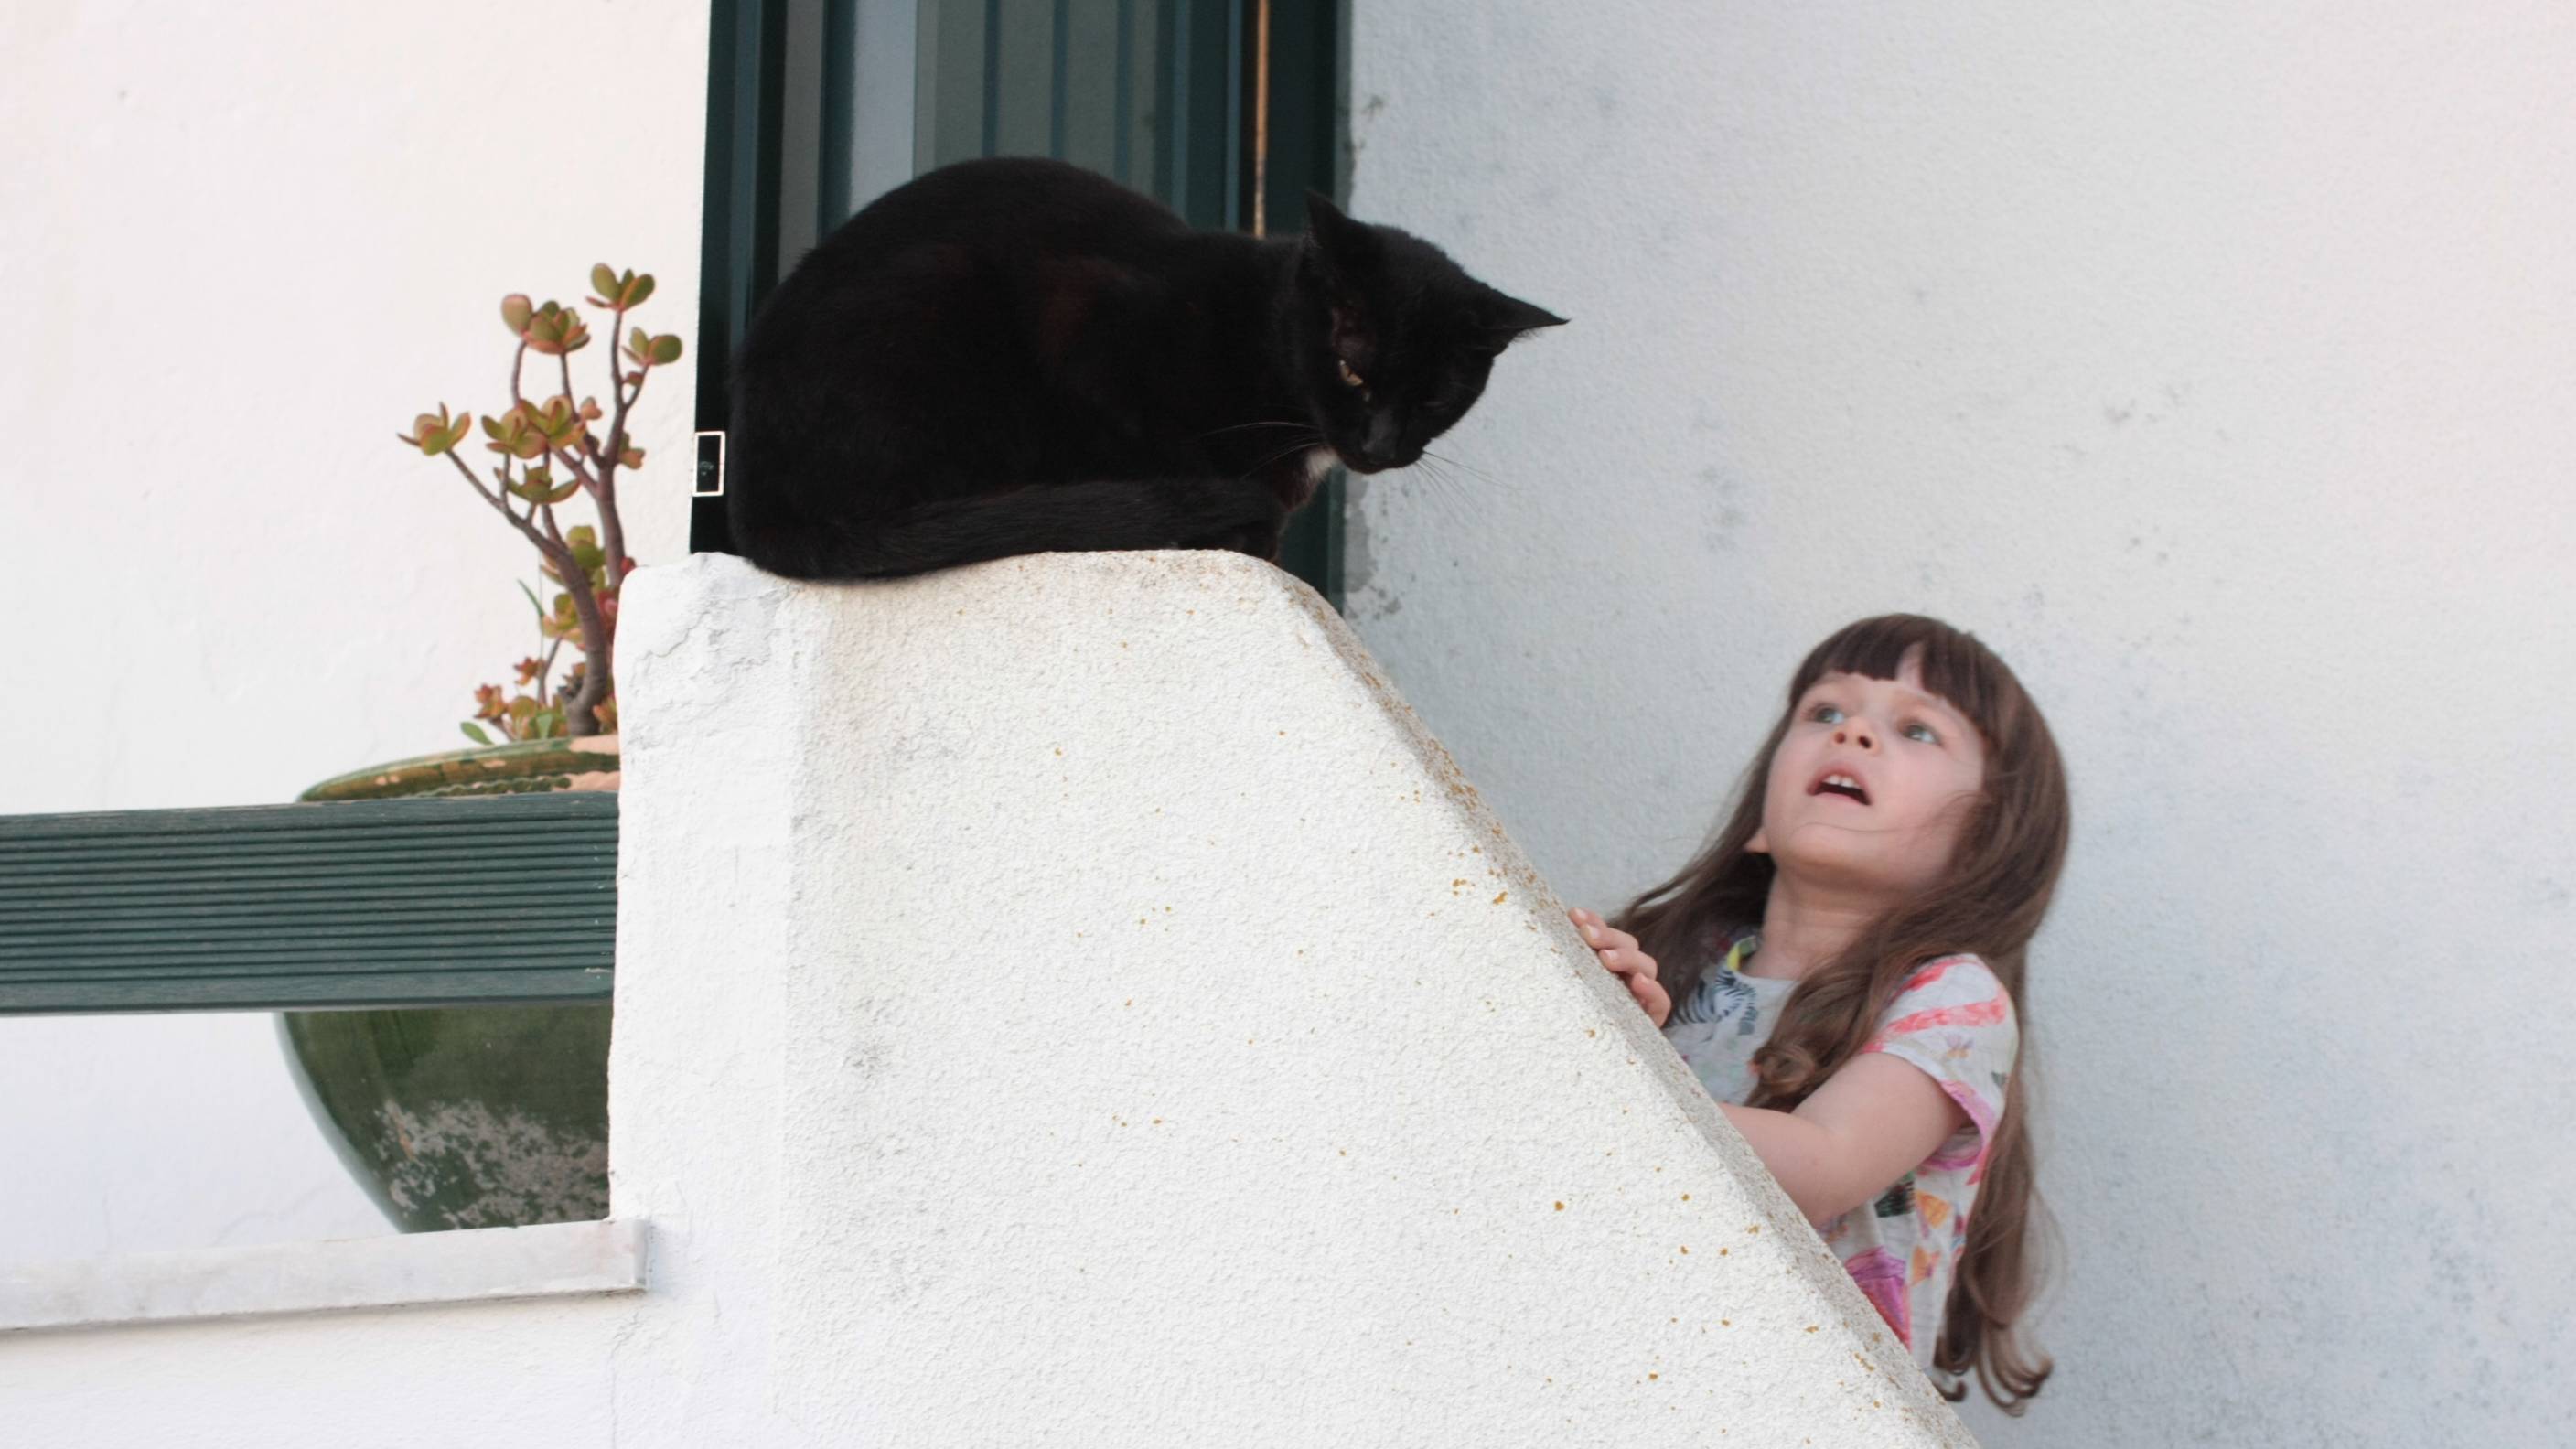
2011,847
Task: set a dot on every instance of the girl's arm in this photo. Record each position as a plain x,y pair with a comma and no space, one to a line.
1867,1126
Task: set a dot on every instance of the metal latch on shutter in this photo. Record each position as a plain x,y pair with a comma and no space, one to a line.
711,463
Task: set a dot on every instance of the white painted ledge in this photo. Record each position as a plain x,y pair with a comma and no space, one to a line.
551,1261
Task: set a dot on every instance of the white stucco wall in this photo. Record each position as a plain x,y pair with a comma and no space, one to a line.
239,249
2217,365
2212,364
1071,998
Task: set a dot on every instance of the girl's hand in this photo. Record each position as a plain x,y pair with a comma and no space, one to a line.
1618,951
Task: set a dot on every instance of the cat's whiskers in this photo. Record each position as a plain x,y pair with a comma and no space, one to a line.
1440,489
1487,478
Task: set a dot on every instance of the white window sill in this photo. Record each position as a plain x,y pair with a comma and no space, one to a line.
550,1261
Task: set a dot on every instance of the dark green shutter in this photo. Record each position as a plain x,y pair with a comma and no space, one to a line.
361,903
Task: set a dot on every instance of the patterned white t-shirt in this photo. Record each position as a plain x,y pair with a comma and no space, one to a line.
1954,1020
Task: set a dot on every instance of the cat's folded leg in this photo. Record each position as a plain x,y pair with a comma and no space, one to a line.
1252,521
1244,516
1259,539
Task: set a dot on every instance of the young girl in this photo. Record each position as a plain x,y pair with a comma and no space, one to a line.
1842,966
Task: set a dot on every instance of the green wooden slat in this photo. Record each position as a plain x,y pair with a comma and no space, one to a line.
219,917
176,829
319,840
362,987
431,941
217,896
390,860
435,813
312,991
340,875
419,902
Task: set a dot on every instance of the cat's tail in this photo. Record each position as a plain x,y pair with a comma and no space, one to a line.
1241,515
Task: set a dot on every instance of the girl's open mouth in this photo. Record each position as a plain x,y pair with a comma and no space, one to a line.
1838,782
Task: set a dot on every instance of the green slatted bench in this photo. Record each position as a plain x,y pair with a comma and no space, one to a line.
377,903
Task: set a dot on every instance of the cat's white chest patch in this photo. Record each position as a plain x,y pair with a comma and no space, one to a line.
1319,461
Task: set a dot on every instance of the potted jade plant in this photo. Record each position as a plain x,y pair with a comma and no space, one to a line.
498,1116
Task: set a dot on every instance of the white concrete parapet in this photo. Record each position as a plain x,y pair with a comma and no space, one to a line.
1132,1029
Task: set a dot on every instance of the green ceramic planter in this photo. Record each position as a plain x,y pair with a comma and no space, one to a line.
466,1117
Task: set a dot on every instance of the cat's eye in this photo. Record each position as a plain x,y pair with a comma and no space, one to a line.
1349,378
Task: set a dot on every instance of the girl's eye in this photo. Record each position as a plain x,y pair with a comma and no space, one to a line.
1924,732
1825,714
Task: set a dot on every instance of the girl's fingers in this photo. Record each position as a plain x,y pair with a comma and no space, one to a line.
1600,935
1620,956
1629,963
1618,951
1628,959
1651,997
1626,945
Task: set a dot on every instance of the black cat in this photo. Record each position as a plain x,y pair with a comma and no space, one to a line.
1017,356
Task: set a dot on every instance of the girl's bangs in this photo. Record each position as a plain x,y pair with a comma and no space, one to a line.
1955,666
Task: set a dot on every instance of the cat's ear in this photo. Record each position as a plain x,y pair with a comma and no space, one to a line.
1332,238
1508,318
1323,219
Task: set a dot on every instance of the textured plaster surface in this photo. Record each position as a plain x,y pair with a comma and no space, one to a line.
1111,980
241,246
2216,364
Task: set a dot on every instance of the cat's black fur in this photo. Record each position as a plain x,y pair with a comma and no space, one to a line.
1017,356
